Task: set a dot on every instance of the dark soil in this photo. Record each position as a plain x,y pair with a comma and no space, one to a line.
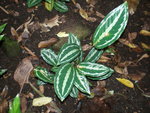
125,100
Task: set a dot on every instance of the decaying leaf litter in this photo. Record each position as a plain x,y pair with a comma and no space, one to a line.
130,67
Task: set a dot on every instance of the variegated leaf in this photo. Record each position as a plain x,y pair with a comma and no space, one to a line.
92,69
74,39
74,92
111,27
68,53
102,77
81,83
93,55
32,3
49,56
44,75
64,81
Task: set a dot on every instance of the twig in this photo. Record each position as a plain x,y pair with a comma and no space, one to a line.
4,10
52,104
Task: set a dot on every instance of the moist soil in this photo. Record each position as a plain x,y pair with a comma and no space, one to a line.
125,100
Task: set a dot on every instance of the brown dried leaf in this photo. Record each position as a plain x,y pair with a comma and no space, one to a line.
47,43
83,13
23,71
86,47
15,35
132,36
137,77
127,43
143,56
145,46
119,70
145,33
132,5
91,2
16,1
23,103
41,88
51,22
3,100
99,14
104,59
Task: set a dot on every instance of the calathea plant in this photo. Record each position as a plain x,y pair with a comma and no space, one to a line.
59,5
70,72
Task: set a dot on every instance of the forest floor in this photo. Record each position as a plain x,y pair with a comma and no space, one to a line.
129,56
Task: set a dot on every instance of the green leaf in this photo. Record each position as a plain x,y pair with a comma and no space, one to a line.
92,69
1,37
49,1
49,56
81,83
15,105
65,0
32,3
102,77
111,27
64,81
44,75
40,82
68,53
93,55
74,39
49,5
2,27
2,71
60,6
74,92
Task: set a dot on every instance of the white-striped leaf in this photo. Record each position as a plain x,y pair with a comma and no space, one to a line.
92,69
111,27
81,83
74,92
68,53
44,75
74,39
93,55
102,77
49,56
64,81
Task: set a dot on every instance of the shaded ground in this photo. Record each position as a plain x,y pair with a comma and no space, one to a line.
125,100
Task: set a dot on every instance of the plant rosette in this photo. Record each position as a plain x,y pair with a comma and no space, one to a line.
70,71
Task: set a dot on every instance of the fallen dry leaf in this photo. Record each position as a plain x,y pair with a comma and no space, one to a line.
23,103
91,2
127,43
132,36
28,50
99,14
132,5
41,101
49,23
15,34
126,82
41,88
119,70
104,59
22,73
86,47
83,13
145,33
3,100
62,34
145,46
47,43
143,56
137,77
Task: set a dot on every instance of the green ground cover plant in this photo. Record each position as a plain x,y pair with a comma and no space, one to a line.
70,70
